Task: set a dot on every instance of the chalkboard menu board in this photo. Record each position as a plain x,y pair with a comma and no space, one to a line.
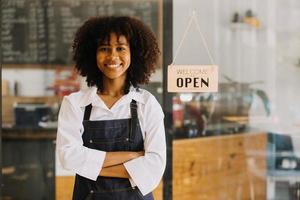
41,31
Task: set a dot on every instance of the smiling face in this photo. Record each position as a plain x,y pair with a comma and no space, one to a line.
113,57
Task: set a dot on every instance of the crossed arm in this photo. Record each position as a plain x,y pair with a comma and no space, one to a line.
113,163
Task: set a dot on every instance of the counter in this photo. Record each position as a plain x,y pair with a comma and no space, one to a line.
28,162
216,167
220,167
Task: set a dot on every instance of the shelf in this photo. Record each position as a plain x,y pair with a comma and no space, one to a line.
36,66
30,134
244,26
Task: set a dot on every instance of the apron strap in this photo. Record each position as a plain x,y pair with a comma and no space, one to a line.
87,112
86,117
133,121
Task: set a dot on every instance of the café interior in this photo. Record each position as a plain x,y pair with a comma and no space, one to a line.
239,142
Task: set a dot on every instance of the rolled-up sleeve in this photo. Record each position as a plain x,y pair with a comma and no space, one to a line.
146,171
69,145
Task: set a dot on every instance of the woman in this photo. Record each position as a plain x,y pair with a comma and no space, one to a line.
112,134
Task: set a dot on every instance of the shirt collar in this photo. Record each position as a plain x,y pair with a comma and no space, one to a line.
90,96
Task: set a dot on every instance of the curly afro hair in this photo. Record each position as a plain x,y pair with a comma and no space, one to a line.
143,48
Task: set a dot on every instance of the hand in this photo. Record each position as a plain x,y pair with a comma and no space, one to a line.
137,154
141,153
120,157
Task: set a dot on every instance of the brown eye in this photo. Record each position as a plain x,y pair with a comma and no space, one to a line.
121,49
103,49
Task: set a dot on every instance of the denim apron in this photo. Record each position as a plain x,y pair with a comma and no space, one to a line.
110,135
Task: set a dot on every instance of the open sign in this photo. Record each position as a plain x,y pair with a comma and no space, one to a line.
192,78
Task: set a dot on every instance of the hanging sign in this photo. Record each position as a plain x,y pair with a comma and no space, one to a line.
192,78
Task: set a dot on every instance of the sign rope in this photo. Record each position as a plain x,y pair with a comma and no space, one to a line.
193,18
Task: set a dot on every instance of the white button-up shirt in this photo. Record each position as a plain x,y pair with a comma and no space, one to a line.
145,171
